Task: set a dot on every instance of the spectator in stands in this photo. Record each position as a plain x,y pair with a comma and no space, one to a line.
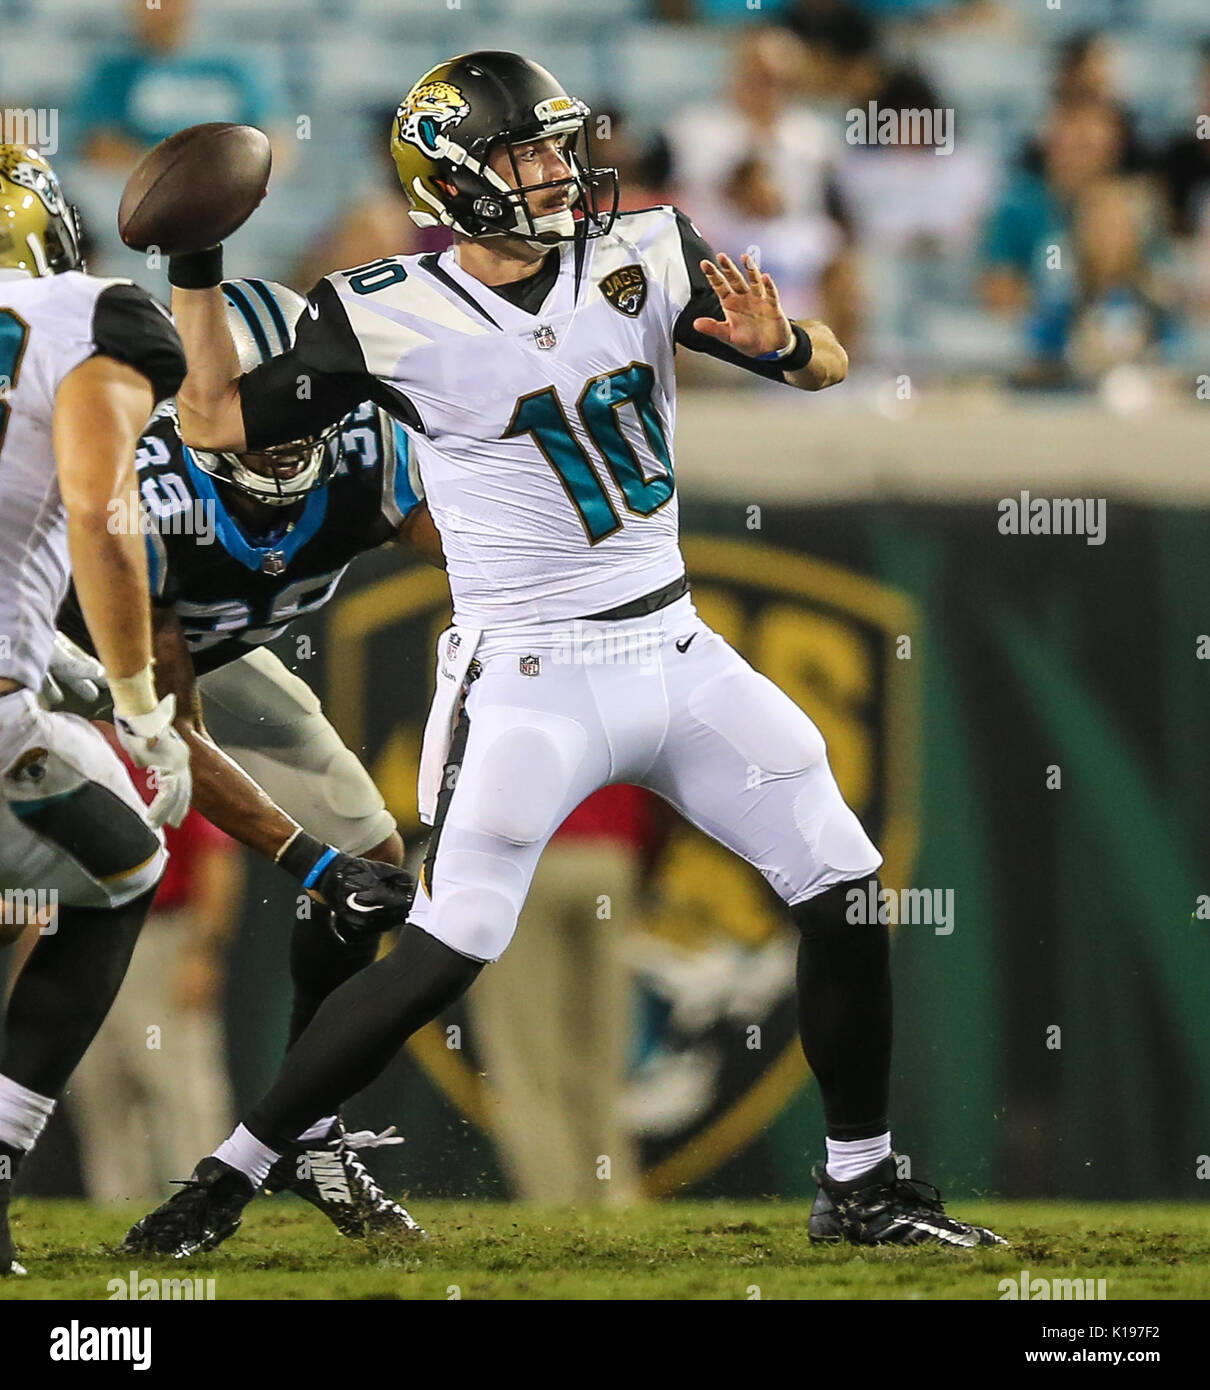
758,169
947,12
553,1014
376,221
1184,165
841,48
718,11
906,199
1088,70
757,116
1083,145
133,99
1119,309
153,1091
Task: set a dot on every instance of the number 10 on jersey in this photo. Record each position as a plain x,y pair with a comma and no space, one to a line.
542,415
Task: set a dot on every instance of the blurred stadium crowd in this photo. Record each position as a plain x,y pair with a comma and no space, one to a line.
1056,227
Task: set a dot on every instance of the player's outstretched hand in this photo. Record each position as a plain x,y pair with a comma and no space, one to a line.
753,321
366,896
151,741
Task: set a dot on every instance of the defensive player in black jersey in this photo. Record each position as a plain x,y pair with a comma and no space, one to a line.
238,546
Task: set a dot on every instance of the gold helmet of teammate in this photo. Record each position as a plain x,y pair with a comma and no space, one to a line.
39,232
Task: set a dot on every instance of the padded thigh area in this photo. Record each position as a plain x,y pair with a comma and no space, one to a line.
516,776
764,726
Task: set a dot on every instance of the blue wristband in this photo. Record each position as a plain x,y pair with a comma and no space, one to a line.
319,866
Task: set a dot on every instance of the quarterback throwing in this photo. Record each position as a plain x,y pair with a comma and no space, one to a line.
532,365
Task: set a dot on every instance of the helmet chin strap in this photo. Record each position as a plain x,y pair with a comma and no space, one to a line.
561,224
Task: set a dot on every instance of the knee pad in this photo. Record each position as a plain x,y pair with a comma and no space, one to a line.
477,897
837,839
476,922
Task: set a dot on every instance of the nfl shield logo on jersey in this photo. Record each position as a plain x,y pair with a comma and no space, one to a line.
545,336
531,665
273,562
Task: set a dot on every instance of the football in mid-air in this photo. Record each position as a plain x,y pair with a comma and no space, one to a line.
195,188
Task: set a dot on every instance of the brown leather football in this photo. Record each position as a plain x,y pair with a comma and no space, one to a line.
195,188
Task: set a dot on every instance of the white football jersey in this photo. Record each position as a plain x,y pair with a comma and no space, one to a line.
543,434
48,326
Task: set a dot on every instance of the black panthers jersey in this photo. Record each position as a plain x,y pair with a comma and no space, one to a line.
234,591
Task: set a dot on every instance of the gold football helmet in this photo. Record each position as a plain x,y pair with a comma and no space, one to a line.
39,232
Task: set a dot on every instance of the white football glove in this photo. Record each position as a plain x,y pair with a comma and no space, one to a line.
152,742
74,671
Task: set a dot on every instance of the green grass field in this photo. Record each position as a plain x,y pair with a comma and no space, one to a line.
673,1250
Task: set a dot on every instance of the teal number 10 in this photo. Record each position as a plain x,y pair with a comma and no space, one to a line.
14,334
542,416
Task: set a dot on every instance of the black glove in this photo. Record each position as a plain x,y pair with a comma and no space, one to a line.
366,896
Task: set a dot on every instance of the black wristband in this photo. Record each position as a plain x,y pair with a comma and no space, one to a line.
301,855
801,355
196,270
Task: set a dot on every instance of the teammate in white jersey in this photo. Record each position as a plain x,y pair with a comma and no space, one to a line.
534,365
82,363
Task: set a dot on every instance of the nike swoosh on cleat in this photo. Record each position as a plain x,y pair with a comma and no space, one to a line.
682,644
950,1237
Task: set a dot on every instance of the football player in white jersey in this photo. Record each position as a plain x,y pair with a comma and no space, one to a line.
279,531
533,364
83,362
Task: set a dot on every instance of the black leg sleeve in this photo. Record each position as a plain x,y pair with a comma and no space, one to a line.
65,990
357,1030
844,1011
319,962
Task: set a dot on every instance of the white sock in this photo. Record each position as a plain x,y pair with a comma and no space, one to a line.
243,1150
319,1130
23,1115
850,1158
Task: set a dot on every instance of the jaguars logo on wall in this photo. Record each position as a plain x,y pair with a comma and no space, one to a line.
712,968
428,111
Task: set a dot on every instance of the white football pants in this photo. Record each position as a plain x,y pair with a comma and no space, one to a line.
558,710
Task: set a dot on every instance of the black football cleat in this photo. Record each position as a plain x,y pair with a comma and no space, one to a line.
331,1176
200,1216
10,1158
881,1208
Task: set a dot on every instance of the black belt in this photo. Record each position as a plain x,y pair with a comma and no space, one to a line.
649,603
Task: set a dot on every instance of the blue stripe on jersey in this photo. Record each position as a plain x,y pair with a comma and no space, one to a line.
239,300
315,509
405,494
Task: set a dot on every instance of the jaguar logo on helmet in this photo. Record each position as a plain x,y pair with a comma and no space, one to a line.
427,112
38,234
37,178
